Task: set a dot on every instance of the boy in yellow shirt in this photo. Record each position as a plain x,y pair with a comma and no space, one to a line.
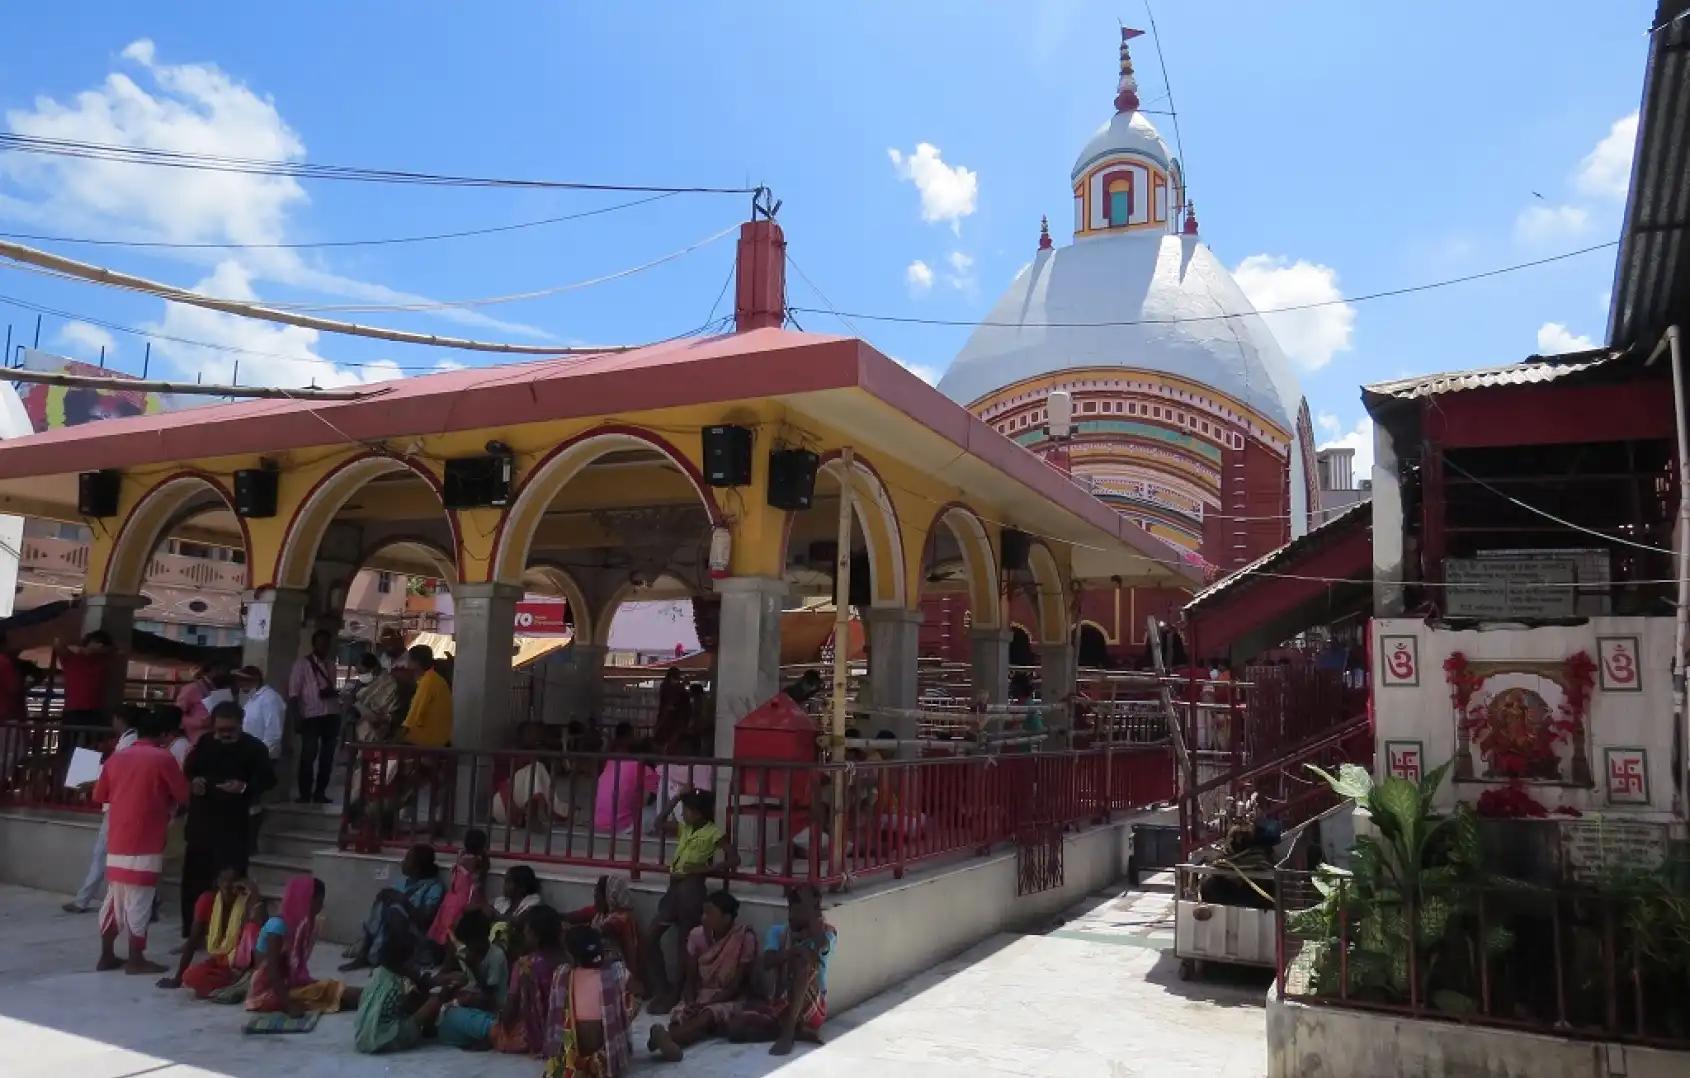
682,906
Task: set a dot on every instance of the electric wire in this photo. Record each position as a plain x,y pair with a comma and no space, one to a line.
146,155
316,244
1544,513
1365,297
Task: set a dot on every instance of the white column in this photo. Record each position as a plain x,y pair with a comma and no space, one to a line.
484,633
747,650
115,616
893,645
277,617
990,648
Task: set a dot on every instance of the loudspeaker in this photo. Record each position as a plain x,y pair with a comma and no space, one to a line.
474,482
255,492
96,493
727,456
792,478
1015,544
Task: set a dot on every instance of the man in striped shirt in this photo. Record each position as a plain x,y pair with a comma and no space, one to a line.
144,786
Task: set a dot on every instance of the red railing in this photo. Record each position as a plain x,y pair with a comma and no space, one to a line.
790,822
1565,961
34,757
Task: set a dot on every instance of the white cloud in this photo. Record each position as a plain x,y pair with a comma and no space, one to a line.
1553,338
961,276
919,276
1311,337
187,108
1360,439
268,353
1542,224
948,192
82,339
1328,423
1606,170
924,371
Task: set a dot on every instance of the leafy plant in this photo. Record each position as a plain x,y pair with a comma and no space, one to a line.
1407,894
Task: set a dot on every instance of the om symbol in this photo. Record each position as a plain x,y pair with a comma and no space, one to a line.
1622,668
1401,663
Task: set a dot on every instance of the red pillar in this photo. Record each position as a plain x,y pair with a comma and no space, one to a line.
760,277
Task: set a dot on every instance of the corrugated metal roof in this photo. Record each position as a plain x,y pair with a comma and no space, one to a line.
1536,369
1652,274
1361,511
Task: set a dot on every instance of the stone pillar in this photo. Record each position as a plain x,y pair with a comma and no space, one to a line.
893,644
485,631
747,651
277,615
1057,669
115,616
990,650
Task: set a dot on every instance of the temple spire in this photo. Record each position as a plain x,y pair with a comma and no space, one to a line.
1044,233
1190,228
1126,91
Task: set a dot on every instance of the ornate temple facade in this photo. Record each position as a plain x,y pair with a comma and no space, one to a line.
1185,413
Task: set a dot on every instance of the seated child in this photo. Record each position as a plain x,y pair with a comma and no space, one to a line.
393,1012
473,984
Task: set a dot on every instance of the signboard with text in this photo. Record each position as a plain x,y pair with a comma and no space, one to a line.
542,619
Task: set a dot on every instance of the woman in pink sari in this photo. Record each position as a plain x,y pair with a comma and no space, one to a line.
623,786
721,954
281,977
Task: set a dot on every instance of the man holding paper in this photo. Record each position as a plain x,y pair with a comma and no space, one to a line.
144,786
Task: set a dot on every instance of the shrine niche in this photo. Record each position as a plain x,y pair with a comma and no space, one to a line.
1522,720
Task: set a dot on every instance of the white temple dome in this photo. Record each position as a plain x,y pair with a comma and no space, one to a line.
1126,132
1170,289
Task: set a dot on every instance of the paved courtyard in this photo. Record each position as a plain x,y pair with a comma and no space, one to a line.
1096,994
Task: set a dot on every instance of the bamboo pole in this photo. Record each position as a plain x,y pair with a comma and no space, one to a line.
841,650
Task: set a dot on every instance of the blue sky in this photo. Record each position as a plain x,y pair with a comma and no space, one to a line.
1333,148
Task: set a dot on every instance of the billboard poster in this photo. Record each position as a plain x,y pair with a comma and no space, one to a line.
538,618
52,407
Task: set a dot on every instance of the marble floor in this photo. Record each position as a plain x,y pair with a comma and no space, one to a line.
1095,992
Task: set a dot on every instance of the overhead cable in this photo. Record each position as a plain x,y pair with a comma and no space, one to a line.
146,155
385,241
83,271
1446,282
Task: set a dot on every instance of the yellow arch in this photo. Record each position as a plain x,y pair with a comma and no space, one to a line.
580,611
542,485
979,561
1052,599
877,516
156,510
312,517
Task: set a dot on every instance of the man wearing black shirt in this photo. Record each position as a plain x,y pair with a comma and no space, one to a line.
228,770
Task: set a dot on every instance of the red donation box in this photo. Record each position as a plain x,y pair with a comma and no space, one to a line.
779,731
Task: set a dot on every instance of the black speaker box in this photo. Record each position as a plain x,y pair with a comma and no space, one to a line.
255,492
475,482
96,493
727,456
792,478
1015,545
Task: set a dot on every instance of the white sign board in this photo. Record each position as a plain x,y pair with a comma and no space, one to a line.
1509,589
1594,846
258,620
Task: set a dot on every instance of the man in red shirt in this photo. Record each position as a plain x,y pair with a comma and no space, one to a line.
144,786
85,668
